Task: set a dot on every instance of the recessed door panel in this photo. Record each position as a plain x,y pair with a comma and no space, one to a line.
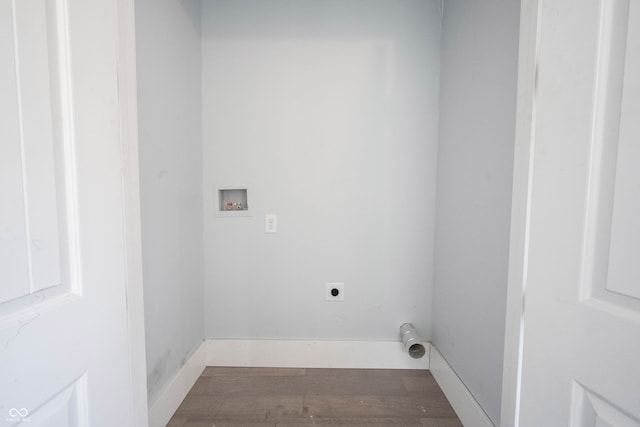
38,217
624,261
68,407
591,410
32,49
14,267
611,278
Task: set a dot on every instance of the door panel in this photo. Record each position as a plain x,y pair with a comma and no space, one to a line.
581,335
64,343
613,228
14,274
591,410
31,211
35,110
624,268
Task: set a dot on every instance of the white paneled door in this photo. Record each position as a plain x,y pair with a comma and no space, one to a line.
581,335
65,333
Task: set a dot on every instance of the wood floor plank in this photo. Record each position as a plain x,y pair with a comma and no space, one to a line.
422,384
350,384
177,422
327,406
353,422
254,408
220,371
441,422
200,386
304,422
326,372
347,384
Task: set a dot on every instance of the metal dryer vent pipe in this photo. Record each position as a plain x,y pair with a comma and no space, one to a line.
412,341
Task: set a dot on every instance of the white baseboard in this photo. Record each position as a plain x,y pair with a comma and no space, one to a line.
463,402
313,354
163,408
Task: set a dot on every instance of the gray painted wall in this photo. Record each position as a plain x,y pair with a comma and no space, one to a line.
169,93
475,160
327,112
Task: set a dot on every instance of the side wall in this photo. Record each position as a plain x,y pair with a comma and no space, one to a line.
327,113
169,94
475,162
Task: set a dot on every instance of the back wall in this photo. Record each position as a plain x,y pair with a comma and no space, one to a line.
327,113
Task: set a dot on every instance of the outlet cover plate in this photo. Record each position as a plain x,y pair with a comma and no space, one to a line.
334,287
270,223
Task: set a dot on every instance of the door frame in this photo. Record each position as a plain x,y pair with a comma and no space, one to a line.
128,115
530,11
520,211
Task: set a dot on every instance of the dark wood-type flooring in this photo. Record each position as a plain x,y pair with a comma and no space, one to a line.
248,397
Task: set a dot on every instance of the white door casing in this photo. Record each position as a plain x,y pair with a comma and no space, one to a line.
580,283
69,224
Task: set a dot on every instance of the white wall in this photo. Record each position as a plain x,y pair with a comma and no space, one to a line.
475,160
169,93
327,112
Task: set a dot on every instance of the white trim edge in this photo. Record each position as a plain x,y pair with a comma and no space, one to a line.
128,114
463,402
530,11
313,354
163,408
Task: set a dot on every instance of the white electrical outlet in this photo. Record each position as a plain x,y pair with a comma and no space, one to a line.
334,291
271,223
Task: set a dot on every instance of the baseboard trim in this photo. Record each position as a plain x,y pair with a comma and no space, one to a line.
163,408
313,354
467,408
